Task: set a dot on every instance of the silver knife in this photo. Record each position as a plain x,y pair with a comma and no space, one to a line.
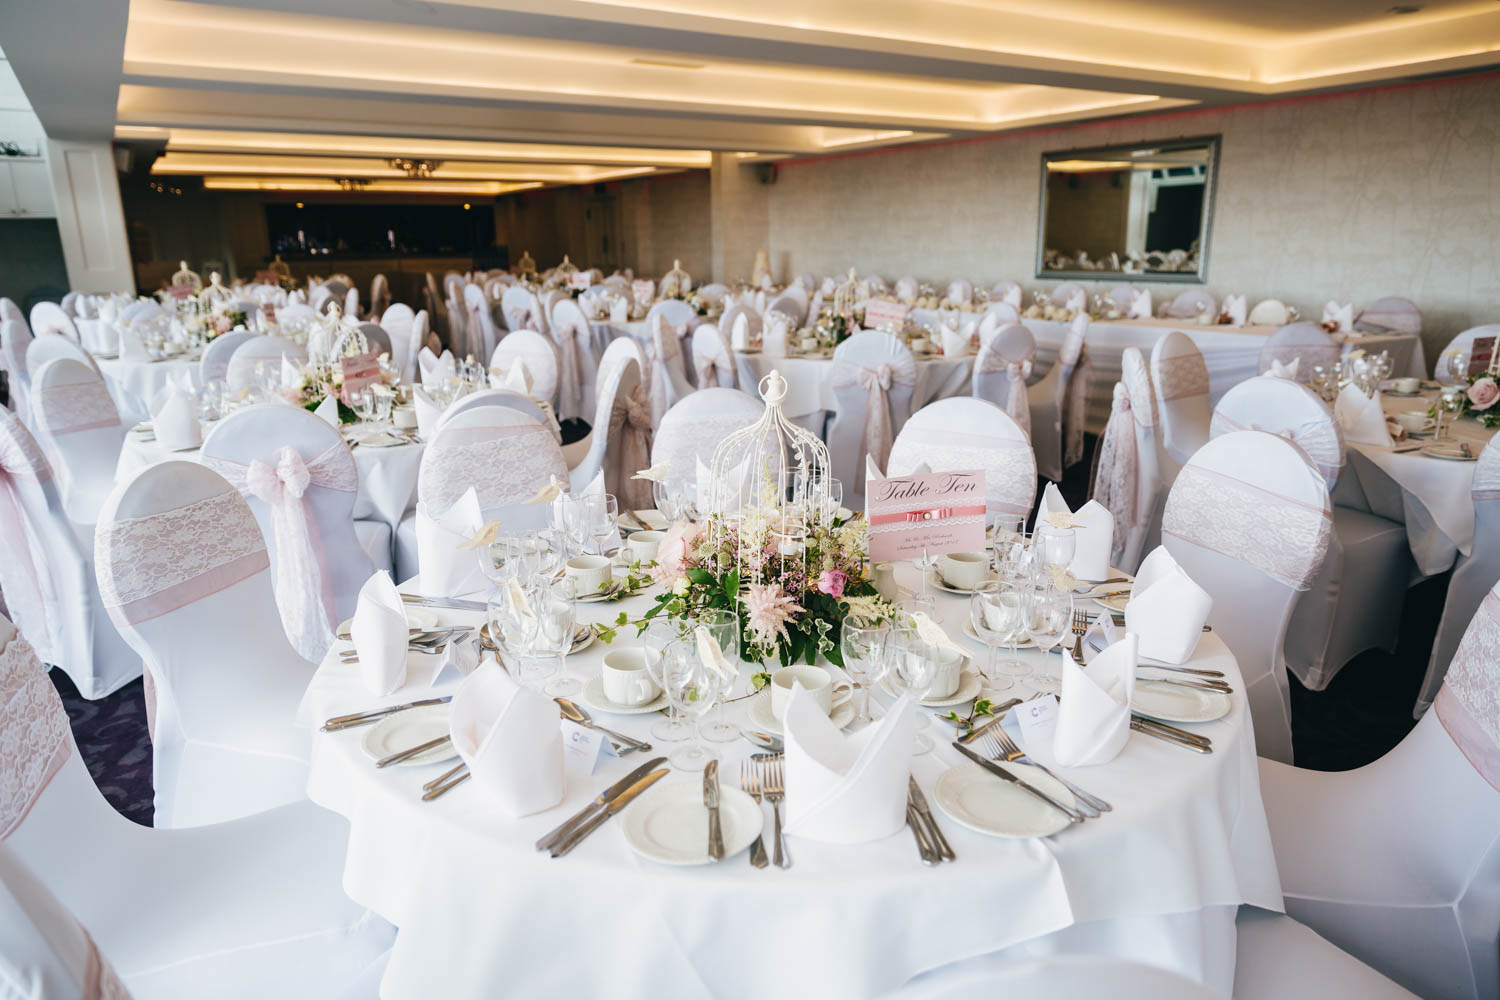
919,801
1167,737
711,800
364,718
1074,816
551,839
458,604
1181,734
928,853
619,802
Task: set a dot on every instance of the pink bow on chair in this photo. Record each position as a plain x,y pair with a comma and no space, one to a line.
630,427
1115,478
1016,402
300,579
877,383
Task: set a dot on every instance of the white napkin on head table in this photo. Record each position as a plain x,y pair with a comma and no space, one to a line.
446,569
328,410
1140,305
1093,714
1077,301
739,333
1093,533
176,421
1343,315
132,346
379,633
619,311
1234,308
516,378
846,788
1361,417
1167,609
436,370
1286,371
510,738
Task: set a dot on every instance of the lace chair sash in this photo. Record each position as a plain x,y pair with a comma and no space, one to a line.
24,579
1281,537
877,382
628,449
1486,484
150,566
34,737
75,407
1008,463
1076,378
1117,476
1181,376
1016,371
505,465
1468,704
1320,439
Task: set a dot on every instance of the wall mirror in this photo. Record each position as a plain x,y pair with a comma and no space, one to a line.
1142,210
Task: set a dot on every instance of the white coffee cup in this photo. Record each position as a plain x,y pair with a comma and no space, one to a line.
949,673
1412,421
626,679
818,682
964,570
643,545
404,416
884,577
590,574
1407,384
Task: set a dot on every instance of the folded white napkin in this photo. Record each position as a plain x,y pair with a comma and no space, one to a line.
595,488
436,370
1093,717
511,740
1077,301
1140,304
176,420
329,411
774,335
446,569
516,378
619,311
132,346
1093,533
846,788
955,342
1287,371
1361,417
291,372
379,633
1167,609
872,471
739,333
737,484
1012,297
1342,315
1234,307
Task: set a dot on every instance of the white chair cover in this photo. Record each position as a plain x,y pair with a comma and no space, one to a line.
668,383
300,480
1398,861
1180,379
1289,409
731,315
380,297
1306,343
791,305
458,322
573,335
964,433
1008,292
48,317
1121,296
676,313
50,346
493,397
1248,519
996,317
1001,370
1193,302
1068,295
397,321
376,339
479,322
690,431
620,442
1126,474
421,336
1390,315
960,292
504,454
242,363
214,365
185,576
1057,404
522,310
712,358
294,318
15,338
1462,344
873,378
539,356
80,432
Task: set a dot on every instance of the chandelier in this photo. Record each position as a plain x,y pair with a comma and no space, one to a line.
415,169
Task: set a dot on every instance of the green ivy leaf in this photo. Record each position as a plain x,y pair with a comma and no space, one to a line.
984,707
701,577
760,680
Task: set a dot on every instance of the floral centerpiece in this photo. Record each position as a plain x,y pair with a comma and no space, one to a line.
318,382
833,328
1478,396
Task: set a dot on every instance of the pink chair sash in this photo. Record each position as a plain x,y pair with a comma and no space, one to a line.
505,465
74,407
1181,376
1117,476
1076,378
1468,704
36,739
876,382
628,449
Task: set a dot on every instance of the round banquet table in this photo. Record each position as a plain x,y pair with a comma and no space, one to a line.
144,379
809,380
480,912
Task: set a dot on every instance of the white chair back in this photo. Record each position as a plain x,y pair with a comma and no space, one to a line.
9,309
351,303
1068,295
248,355
874,375
214,365
712,358
1001,371
376,339
690,431
300,481
790,305
479,322
493,397
1462,344
80,432
522,310
731,315
960,292
620,443
1121,297
1390,315
48,317
421,336
295,318
537,353
1008,292
668,383
964,433
1126,473
676,313
713,293
504,454
15,338
576,370
380,296
1305,343
1248,518
51,346
1180,379
1058,403
458,323
1288,409
1193,302
397,322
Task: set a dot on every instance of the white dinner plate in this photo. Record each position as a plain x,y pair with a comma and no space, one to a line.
1114,602
941,584
382,440
408,729
669,823
654,519
1451,453
969,686
593,694
1022,643
1175,703
418,618
759,711
977,799
583,638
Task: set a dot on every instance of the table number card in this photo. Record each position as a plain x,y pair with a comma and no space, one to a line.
937,513
359,370
882,314
1481,353
580,279
643,290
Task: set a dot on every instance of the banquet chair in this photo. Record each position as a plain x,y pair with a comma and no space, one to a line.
731,314
1059,403
244,909
1001,370
1248,519
493,397
47,572
1306,343
1121,297
1398,862
422,335
15,338
1126,476
1392,314
457,339
960,292
241,373
537,353
479,322
214,365
790,305
573,336
676,313
321,297
1461,344
1068,294
300,480
1472,577
712,358
1007,291
522,310
48,317
619,441
1179,378
1192,303
69,303
667,382
380,296
80,432
295,317
873,378
1355,601
377,340
185,575
9,309
50,346
506,455
398,323
690,431
965,433
996,317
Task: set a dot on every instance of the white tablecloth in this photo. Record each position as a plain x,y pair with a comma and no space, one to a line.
140,381
810,380
479,910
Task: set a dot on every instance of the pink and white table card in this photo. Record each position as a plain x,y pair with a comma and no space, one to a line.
932,514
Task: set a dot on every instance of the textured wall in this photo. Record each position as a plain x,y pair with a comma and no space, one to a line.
1390,191
680,228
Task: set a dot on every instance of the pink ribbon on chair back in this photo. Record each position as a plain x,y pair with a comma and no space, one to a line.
301,581
38,738
876,382
24,578
1076,377
1016,403
1117,473
630,436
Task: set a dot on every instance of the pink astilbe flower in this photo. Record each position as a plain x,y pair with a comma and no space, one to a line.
768,609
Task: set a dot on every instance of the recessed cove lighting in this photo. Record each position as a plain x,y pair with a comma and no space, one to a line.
668,63
1405,8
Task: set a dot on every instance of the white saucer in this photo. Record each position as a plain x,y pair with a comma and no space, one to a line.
937,581
977,799
1115,602
1022,643
669,823
1175,703
759,711
969,686
407,729
593,693
1451,453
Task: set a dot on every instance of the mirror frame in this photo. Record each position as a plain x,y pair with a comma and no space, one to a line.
1210,187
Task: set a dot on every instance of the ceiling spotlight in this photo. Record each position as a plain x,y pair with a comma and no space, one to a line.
466,206
414,169
299,204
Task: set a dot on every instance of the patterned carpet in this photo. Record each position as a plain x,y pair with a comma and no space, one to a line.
111,735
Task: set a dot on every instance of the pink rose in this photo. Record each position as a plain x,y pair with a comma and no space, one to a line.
675,549
832,582
223,324
1483,393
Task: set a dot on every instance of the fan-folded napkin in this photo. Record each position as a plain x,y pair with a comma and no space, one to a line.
846,788
1342,316
619,311
176,420
739,333
1286,371
1234,308
872,471
1140,304
516,378
133,346
774,335
1093,717
955,342
511,740
379,634
1093,533
328,410
446,569
291,373
1167,609
1361,417
436,370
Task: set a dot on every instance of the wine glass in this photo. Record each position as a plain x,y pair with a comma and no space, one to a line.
667,500
660,633
724,627
384,399
994,619
1047,613
863,645
911,668
603,514
557,619
692,687
1004,609
1055,546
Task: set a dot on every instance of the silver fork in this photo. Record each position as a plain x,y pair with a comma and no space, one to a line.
774,791
998,744
750,784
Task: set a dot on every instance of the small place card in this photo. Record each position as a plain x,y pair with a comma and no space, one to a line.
580,279
583,748
643,290
883,314
1038,721
360,370
936,513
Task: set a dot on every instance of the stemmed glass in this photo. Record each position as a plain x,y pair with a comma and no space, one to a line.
995,614
1055,546
603,513
363,403
661,633
864,647
692,687
557,618
1048,612
668,500
724,627
911,668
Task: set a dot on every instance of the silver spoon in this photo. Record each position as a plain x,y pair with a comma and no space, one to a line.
765,741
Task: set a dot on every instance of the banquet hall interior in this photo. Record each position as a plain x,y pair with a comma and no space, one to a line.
886,500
